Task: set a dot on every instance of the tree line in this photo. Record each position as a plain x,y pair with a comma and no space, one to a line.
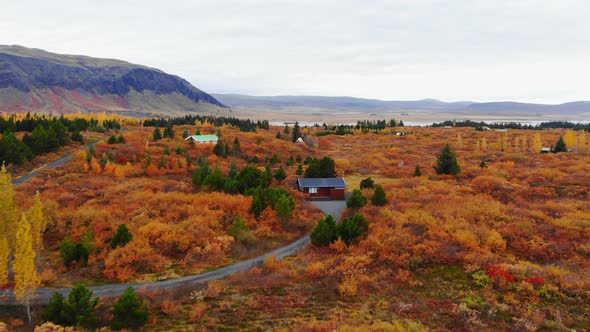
244,125
514,125
43,134
31,121
378,125
364,125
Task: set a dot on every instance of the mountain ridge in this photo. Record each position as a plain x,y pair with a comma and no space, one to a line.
346,102
37,80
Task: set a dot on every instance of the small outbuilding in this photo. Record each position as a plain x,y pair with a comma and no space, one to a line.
203,139
322,188
545,150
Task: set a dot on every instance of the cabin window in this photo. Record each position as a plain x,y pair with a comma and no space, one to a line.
313,190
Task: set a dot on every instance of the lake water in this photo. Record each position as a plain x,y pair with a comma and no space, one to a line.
415,123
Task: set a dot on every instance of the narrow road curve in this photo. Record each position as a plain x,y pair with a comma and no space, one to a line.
54,164
44,295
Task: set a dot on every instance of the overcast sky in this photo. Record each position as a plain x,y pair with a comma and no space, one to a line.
524,50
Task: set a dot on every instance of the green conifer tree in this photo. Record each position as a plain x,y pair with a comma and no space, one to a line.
356,200
324,232
446,162
296,132
379,197
280,174
417,170
157,134
560,146
122,237
129,312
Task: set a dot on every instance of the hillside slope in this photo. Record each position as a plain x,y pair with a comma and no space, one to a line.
40,81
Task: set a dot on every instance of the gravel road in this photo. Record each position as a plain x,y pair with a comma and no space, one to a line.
114,290
54,164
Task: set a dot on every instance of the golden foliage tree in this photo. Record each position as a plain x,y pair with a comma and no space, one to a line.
7,222
95,166
26,279
484,144
537,143
8,214
504,143
4,254
38,224
570,139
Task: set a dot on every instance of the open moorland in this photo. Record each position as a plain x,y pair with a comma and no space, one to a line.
501,245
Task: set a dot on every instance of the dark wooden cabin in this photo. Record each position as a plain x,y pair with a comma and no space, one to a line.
322,188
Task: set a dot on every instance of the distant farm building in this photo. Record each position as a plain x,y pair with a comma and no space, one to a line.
203,139
545,150
322,188
299,140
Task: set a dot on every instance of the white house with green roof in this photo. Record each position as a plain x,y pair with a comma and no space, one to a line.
203,139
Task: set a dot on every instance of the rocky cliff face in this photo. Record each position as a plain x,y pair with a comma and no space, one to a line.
35,80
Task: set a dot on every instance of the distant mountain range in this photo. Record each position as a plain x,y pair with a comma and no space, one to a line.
38,81
33,80
375,105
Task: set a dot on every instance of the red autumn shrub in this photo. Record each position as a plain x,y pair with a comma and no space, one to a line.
537,281
498,273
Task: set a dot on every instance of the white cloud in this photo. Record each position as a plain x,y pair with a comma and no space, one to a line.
404,49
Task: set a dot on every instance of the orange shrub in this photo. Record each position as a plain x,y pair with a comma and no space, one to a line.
136,257
348,287
171,308
197,311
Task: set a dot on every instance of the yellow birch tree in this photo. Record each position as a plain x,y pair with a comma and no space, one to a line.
4,255
537,143
8,214
38,224
484,144
570,139
26,279
8,219
504,143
